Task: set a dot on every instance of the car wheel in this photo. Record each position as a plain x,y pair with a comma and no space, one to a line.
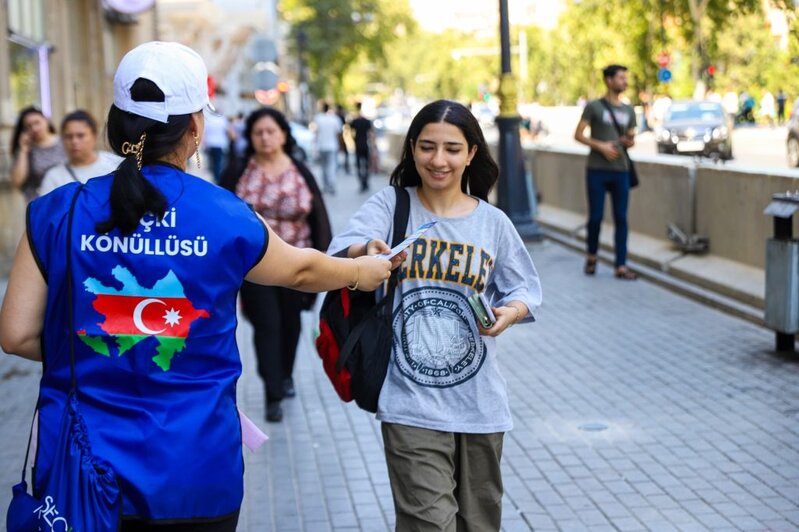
793,152
727,154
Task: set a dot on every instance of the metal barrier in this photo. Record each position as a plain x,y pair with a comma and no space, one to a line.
782,272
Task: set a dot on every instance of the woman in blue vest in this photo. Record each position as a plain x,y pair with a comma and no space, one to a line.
158,257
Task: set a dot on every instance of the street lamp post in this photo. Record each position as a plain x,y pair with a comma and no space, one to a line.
513,195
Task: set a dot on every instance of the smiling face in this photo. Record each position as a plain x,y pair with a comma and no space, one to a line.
266,136
441,155
79,142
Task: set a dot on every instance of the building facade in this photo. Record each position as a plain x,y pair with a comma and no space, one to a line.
59,55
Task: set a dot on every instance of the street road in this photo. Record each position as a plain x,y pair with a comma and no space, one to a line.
761,146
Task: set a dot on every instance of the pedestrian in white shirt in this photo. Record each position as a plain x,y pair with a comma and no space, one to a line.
79,137
328,129
215,141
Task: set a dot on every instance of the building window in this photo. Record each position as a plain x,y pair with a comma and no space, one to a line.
26,18
28,55
24,78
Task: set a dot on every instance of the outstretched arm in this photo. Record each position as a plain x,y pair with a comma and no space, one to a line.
310,270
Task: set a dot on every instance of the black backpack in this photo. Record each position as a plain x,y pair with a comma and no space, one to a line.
355,330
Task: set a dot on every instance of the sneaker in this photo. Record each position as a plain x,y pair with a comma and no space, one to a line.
288,388
274,413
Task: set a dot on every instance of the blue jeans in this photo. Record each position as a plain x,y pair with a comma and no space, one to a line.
618,184
329,169
216,157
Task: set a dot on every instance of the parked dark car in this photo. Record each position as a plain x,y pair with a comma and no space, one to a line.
793,136
696,128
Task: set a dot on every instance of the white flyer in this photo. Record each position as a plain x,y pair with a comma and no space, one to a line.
410,239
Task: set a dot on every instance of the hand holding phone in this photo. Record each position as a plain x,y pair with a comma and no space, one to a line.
482,310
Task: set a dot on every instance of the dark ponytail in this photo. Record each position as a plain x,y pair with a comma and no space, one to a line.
132,196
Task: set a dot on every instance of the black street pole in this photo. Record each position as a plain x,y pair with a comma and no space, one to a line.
512,193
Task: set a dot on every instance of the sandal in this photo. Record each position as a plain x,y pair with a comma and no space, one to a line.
590,266
626,274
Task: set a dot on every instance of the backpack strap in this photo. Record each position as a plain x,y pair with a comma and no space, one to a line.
402,211
73,381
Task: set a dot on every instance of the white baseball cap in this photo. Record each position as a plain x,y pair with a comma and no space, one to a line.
176,69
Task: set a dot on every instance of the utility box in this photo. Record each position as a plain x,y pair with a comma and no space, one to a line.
782,272
782,285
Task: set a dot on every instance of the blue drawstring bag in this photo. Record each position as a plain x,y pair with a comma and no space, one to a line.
80,492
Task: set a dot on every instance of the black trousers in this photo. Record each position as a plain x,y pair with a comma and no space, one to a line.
227,524
275,316
362,163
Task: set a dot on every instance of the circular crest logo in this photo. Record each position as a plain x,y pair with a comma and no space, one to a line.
436,338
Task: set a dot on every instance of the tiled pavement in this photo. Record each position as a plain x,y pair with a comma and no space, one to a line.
702,420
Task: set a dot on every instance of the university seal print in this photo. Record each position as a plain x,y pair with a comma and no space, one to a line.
436,340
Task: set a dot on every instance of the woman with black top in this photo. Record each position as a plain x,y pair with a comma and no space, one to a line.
284,192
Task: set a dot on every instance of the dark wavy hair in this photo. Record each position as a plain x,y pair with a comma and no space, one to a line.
80,116
280,120
18,127
482,172
132,195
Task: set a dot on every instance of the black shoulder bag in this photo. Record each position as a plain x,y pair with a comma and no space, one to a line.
633,174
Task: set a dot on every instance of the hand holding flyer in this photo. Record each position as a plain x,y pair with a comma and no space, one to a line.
408,240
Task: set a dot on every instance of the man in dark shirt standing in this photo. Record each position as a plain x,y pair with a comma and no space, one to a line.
608,168
362,128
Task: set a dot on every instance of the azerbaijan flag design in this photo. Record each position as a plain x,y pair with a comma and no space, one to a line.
134,313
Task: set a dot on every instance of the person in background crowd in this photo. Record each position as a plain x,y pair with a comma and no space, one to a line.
608,168
328,130
767,108
238,142
364,137
216,142
79,135
746,113
284,192
730,103
341,113
35,148
444,404
154,334
782,98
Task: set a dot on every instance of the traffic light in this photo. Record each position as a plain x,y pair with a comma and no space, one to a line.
711,71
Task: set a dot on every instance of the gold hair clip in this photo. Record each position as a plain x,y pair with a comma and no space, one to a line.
136,149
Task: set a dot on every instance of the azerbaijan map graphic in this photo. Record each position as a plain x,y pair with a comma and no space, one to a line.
134,313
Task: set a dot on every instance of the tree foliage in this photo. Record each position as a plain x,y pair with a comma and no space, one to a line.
566,62
334,34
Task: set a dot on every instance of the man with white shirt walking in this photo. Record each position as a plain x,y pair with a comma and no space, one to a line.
328,129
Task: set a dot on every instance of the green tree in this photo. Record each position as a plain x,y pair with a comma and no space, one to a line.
336,33
701,21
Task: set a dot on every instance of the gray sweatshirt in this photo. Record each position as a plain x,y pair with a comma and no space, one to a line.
444,375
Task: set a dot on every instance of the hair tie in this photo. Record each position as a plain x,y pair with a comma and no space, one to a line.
136,149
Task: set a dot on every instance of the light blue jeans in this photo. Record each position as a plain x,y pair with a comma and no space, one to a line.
329,169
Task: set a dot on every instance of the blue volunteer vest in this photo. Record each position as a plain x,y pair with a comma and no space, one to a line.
156,355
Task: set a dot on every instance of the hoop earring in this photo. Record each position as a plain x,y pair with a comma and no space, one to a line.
197,150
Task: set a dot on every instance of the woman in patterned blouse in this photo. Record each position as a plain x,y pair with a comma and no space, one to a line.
284,192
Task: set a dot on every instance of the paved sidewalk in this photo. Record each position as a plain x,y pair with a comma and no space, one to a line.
701,419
